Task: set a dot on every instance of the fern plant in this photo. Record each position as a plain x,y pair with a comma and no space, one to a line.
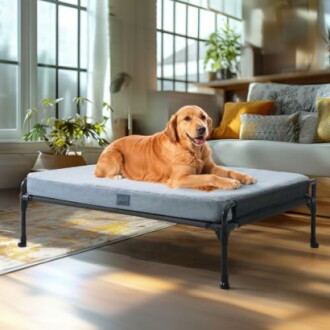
62,134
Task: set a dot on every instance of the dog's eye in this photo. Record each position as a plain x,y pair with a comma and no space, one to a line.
187,118
203,117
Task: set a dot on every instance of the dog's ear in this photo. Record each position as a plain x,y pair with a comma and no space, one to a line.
170,130
209,124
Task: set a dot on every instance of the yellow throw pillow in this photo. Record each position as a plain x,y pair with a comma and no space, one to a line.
231,122
323,115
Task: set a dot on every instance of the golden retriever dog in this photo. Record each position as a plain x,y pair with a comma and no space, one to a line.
178,156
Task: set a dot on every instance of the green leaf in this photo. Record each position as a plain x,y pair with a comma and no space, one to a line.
29,113
79,100
107,107
37,133
48,103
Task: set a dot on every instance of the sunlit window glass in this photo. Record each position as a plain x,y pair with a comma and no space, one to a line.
9,64
8,30
46,32
62,56
182,28
68,36
8,90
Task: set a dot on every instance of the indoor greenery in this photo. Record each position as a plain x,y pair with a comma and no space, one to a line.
223,49
326,38
62,134
213,52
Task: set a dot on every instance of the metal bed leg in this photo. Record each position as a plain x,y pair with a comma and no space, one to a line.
23,205
312,206
223,236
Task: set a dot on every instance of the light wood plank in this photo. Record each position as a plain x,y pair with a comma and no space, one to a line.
169,280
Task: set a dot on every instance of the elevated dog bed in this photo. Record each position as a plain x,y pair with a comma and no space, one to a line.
219,210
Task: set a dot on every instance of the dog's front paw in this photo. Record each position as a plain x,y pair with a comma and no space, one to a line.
242,177
235,184
248,179
230,184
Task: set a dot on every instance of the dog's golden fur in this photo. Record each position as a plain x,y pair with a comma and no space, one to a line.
178,156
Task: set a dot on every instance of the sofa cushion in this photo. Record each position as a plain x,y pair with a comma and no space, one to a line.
284,128
310,159
230,124
308,126
289,98
323,126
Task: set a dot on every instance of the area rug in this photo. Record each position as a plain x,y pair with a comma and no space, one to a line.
57,231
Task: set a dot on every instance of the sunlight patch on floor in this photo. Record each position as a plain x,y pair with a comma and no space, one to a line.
307,321
140,282
268,307
319,288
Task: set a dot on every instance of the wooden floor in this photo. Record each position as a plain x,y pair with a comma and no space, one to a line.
169,280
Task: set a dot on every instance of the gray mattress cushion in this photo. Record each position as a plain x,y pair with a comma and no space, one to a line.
78,184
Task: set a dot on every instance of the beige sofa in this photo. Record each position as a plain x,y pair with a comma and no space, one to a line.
312,159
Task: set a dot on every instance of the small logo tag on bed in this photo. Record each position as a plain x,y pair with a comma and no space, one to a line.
123,200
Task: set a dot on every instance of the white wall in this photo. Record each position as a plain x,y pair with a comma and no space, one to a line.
288,33
133,50
161,105
17,159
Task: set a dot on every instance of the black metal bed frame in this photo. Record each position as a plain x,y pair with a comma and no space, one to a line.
222,228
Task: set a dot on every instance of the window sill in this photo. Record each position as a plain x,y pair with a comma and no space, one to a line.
22,147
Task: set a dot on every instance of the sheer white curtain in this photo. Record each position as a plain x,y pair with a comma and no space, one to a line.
98,70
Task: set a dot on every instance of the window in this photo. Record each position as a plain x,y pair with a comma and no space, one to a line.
62,65
40,57
182,28
9,59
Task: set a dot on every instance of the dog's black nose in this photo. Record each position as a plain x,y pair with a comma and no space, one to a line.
201,130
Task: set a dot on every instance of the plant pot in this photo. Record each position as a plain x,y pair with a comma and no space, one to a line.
46,161
211,75
227,74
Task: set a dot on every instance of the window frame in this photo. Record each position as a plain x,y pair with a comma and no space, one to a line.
161,32
27,62
57,66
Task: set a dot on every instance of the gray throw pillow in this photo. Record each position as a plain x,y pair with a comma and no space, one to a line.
308,126
289,98
283,128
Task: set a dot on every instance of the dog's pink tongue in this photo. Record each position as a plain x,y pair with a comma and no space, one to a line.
199,140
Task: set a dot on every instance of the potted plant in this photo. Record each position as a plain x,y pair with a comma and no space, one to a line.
212,58
223,51
63,136
326,39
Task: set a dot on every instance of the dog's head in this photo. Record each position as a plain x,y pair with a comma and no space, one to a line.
190,125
